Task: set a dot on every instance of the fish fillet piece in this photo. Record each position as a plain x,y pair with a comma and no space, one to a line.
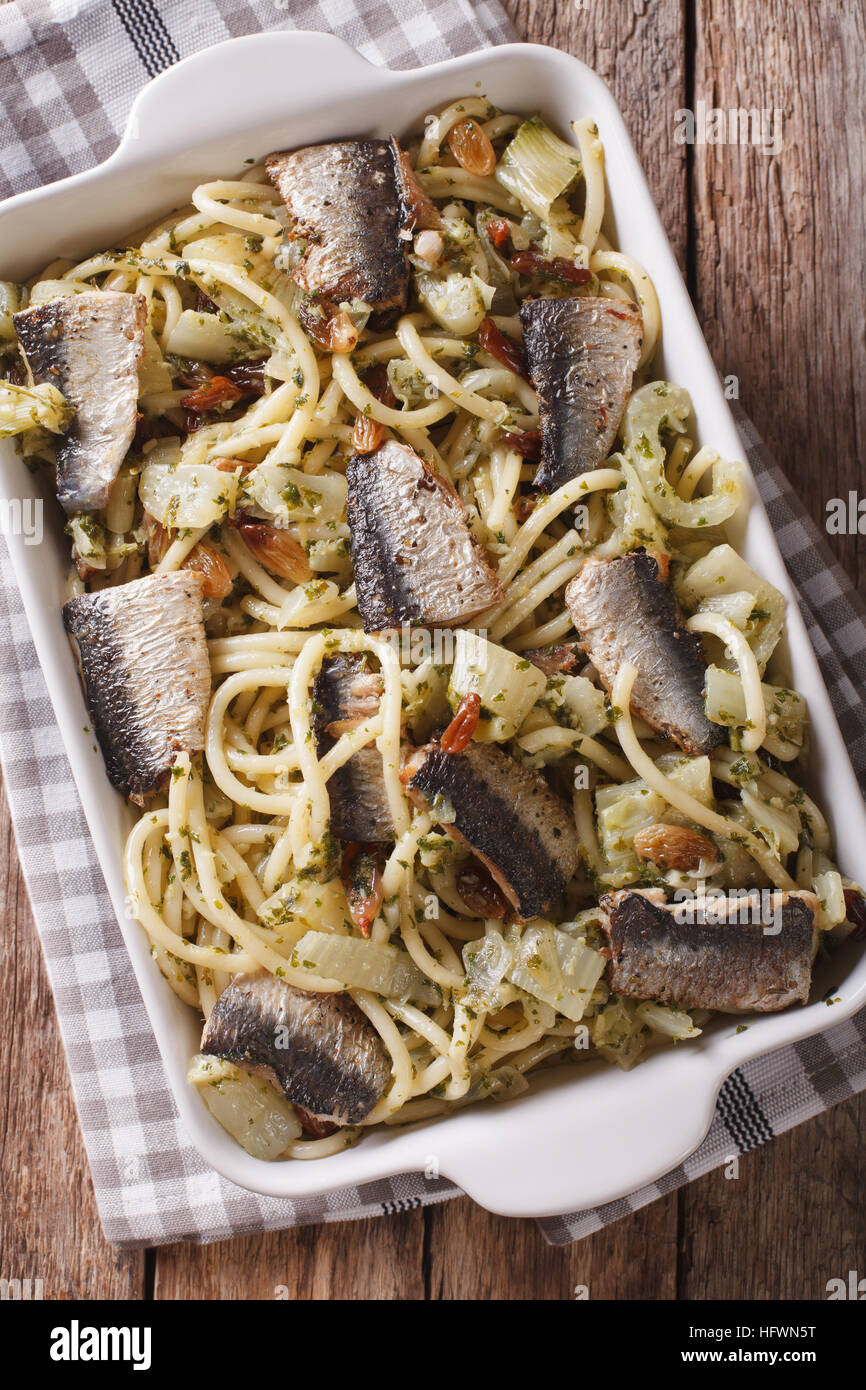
359,801
88,345
733,965
345,199
144,663
506,814
415,559
345,693
320,1050
624,611
582,355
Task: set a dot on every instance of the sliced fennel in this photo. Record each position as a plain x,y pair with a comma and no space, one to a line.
575,702
537,166
558,969
786,711
287,493
487,962
360,964
187,495
780,825
502,1083
555,970
736,607
25,408
298,903
723,571
10,303
250,1108
457,302
425,693
671,1023
88,538
635,522
95,544
409,384
47,290
828,889
623,809
507,683
154,373
277,282
206,338
618,1033
661,405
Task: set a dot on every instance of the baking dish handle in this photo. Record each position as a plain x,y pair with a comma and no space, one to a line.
306,59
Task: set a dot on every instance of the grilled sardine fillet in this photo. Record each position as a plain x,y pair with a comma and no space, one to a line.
582,355
88,345
144,663
345,199
414,557
506,814
319,1050
345,693
624,611
359,801
757,958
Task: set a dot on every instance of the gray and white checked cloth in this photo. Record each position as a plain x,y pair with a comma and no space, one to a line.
69,70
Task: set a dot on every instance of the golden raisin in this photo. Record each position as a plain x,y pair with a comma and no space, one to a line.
342,333
278,551
471,147
674,846
480,893
216,577
158,539
367,434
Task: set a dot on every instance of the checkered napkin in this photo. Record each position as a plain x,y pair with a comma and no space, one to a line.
68,73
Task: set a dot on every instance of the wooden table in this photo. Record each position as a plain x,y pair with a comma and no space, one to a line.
772,250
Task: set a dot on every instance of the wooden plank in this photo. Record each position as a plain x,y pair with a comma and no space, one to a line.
780,279
357,1260
792,1220
49,1227
474,1255
779,286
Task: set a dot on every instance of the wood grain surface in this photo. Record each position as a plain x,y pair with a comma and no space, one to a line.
772,250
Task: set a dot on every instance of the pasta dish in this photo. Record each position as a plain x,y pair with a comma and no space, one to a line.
407,618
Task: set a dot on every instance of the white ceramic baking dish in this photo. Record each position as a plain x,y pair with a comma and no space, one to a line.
582,1135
